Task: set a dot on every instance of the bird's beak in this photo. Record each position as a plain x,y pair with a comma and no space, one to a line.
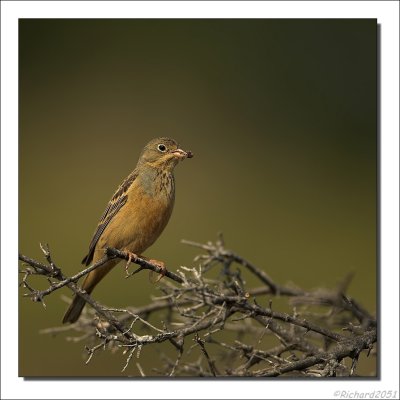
182,154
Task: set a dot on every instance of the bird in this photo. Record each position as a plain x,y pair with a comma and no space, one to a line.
136,215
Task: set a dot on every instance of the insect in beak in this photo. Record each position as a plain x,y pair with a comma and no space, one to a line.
182,154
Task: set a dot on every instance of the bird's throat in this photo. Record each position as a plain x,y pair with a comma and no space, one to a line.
157,182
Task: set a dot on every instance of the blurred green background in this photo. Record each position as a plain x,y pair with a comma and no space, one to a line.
281,116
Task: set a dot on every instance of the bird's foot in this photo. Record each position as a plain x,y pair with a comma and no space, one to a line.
131,257
162,272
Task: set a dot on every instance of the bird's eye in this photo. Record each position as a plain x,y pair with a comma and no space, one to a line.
162,148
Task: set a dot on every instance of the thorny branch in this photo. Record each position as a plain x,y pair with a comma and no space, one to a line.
325,327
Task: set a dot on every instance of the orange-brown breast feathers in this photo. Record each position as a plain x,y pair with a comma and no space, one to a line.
139,223
136,215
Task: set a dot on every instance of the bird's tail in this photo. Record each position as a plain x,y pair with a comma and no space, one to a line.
91,280
74,310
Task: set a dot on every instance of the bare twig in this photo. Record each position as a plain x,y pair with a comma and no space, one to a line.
307,341
211,363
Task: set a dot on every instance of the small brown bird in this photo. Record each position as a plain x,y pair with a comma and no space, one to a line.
136,214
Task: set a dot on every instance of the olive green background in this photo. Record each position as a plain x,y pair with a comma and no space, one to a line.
280,114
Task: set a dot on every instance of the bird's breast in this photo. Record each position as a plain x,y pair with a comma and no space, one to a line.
145,215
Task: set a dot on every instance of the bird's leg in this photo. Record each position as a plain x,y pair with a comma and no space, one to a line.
159,264
131,257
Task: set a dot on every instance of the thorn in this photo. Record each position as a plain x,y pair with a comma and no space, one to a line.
354,364
345,283
44,250
129,274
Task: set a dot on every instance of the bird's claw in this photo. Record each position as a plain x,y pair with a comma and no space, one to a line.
163,268
131,257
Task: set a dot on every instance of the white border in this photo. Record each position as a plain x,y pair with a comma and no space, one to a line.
387,15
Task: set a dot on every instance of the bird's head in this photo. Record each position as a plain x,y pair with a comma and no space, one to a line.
163,153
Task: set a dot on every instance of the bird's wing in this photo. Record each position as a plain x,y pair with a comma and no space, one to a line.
115,204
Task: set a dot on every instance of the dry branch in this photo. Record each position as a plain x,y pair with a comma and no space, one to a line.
306,342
